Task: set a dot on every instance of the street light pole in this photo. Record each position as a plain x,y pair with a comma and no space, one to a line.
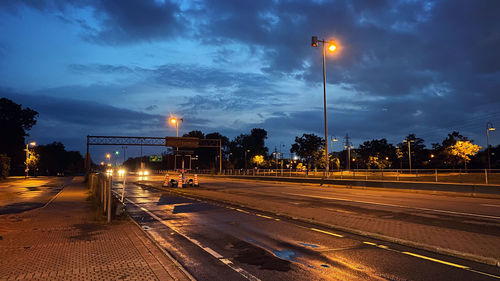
489,127
175,121
331,47
246,161
324,113
409,152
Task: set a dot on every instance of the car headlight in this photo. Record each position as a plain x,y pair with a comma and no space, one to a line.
146,173
140,173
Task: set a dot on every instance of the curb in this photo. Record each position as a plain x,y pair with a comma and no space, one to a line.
163,250
403,242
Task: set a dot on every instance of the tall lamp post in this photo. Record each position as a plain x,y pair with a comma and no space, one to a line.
108,156
27,157
175,122
246,160
331,47
489,127
409,152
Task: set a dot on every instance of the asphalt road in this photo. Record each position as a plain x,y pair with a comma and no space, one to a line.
217,242
19,195
376,199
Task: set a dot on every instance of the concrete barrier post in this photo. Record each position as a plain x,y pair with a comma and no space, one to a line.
104,200
110,185
397,175
101,188
436,174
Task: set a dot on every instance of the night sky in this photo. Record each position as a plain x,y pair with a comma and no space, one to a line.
121,67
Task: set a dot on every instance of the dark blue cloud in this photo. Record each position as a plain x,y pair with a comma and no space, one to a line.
411,66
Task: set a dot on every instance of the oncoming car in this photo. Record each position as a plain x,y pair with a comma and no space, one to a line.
143,173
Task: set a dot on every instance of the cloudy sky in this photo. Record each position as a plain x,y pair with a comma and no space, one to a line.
121,67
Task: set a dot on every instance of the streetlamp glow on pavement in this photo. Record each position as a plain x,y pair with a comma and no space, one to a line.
331,47
489,127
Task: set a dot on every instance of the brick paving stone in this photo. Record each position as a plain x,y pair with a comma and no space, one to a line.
63,241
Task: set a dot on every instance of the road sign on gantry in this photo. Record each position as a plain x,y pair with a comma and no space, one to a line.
155,158
182,142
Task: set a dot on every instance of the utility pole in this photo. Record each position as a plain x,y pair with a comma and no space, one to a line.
409,151
348,155
124,153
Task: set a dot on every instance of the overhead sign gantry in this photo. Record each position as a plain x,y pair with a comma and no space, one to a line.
180,142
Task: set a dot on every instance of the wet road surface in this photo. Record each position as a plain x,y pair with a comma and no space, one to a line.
218,242
21,195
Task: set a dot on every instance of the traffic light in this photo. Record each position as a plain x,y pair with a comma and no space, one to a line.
314,41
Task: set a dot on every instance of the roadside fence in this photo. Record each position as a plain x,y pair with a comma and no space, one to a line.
100,186
477,176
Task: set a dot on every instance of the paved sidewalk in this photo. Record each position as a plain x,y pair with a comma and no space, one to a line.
62,241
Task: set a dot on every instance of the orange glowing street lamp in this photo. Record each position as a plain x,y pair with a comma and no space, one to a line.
174,121
331,47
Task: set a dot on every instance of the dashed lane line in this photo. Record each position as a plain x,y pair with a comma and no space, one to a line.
242,272
210,251
326,232
490,205
436,260
266,217
394,205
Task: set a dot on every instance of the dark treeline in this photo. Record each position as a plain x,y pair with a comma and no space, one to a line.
49,159
244,151
307,151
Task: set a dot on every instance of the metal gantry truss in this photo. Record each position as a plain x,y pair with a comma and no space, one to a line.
145,141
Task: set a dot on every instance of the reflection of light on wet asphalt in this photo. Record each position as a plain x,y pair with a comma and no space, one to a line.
290,255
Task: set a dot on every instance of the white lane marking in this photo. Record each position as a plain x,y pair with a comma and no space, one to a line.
165,245
393,205
213,253
490,205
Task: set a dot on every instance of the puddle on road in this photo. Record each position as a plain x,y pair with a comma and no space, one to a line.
285,254
309,245
253,255
33,188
